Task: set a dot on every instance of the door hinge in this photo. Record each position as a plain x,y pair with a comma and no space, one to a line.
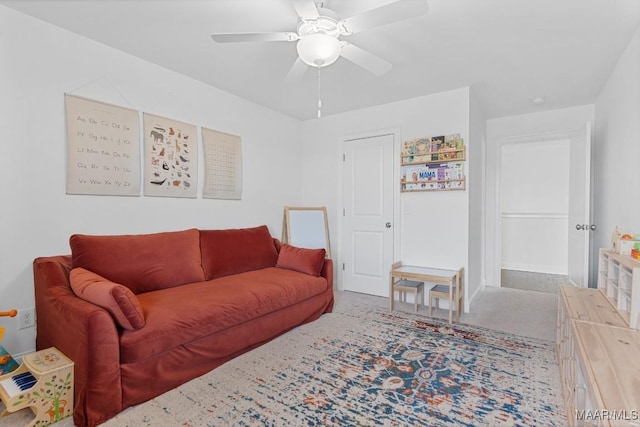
344,157
343,266
344,212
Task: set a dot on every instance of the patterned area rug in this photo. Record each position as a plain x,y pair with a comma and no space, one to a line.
366,366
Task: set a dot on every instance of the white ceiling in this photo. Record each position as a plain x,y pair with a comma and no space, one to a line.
510,51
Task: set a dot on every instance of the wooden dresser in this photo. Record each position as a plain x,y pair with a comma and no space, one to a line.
599,360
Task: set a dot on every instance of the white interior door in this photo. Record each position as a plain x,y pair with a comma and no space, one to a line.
580,207
367,243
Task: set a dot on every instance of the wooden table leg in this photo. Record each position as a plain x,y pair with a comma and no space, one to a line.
430,301
451,296
391,292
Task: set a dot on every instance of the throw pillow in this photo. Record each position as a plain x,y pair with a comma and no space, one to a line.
117,299
303,260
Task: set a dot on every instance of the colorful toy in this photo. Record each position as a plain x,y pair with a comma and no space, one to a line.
10,313
7,364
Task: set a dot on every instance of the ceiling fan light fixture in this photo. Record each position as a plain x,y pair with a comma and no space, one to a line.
319,50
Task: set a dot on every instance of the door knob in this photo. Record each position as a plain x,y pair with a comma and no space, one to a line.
586,227
388,225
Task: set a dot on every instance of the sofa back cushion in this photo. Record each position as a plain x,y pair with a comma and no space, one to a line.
226,252
143,262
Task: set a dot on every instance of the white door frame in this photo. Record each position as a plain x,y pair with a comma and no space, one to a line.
396,225
497,220
578,139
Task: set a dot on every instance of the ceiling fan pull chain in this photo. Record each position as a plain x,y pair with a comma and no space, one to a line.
319,99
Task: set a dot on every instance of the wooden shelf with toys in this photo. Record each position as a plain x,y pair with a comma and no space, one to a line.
433,164
619,281
619,276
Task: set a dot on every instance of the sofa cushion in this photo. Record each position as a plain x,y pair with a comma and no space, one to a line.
233,251
118,300
143,262
186,313
303,260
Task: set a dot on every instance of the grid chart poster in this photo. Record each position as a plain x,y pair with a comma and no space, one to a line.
171,157
103,148
223,165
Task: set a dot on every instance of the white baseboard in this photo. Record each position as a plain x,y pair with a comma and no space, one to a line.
473,297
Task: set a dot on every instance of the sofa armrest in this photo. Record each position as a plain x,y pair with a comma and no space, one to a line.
85,333
327,272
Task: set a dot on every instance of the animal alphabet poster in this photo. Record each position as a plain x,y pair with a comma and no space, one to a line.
103,148
171,157
223,165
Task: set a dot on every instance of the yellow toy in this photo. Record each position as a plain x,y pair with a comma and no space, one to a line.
10,313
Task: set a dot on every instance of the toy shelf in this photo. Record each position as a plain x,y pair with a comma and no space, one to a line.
619,281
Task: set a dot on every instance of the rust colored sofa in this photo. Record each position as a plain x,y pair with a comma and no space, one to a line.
142,314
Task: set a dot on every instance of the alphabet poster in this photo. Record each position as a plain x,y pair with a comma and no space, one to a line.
103,148
223,165
171,157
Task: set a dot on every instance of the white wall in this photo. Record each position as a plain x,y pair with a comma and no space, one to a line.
617,148
40,63
505,130
433,227
475,274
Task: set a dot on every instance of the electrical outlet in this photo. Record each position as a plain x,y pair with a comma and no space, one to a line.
27,318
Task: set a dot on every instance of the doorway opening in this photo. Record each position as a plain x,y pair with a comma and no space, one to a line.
534,214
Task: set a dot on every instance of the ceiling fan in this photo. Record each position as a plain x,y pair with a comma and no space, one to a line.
319,31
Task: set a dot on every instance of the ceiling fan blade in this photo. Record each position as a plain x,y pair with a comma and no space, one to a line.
364,59
306,9
392,12
296,72
255,37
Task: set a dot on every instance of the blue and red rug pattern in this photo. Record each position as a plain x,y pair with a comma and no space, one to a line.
369,367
